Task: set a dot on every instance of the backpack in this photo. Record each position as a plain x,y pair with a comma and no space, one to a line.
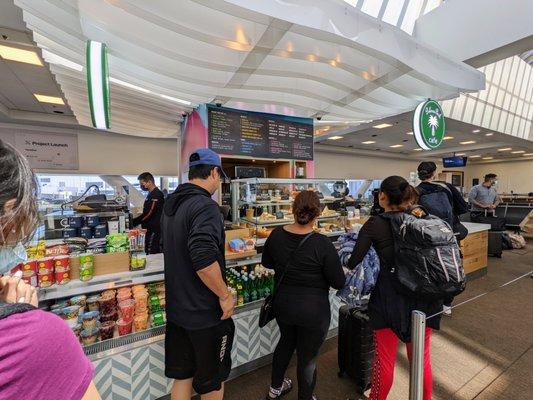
517,241
428,261
437,202
361,280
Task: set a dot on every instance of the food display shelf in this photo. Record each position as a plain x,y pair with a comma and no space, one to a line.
283,221
279,203
134,340
72,213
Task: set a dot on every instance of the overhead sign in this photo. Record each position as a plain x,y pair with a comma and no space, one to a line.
98,83
259,135
44,150
429,126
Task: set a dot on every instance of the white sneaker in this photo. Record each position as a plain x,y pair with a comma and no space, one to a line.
447,310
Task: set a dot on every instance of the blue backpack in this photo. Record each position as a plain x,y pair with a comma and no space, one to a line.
361,280
437,202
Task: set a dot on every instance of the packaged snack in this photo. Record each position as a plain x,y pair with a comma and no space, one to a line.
127,308
108,305
113,316
89,336
236,245
57,250
124,327
141,322
30,265
37,250
117,242
249,244
61,263
107,330
80,300
62,277
89,319
141,239
30,278
132,237
70,315
141,302
93,304
45,280
45,265
159,318
86,267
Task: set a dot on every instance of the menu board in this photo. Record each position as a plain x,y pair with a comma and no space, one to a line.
253,134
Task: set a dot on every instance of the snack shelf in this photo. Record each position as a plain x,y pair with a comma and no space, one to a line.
134,340
283,221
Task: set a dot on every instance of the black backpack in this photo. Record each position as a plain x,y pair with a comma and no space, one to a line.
427,257
437,201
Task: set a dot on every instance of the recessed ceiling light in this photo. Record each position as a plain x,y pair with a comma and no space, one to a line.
475,157
49,99
506,149
395,146
487,158
418,149
476,130
469,142
448,138
460,154
335,137
369,142
518,152
20,55
528,154
381,126
409,133
489,134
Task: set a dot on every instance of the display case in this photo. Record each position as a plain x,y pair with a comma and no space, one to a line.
262,204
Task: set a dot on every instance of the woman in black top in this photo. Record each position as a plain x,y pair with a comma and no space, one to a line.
390,310
301,305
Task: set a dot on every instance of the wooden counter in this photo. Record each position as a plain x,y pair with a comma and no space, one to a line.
475,249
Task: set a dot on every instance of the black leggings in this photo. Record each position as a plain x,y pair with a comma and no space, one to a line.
303,334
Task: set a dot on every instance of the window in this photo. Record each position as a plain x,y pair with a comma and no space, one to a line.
57,189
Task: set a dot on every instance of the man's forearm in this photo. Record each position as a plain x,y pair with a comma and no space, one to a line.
211,276
478,204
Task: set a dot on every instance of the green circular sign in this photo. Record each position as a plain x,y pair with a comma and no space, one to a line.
429,126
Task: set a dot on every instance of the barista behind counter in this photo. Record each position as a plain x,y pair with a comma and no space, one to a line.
150,219
341,193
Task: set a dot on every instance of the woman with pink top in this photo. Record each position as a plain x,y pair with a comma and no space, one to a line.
40,357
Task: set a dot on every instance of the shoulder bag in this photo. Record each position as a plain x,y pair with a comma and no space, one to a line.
267,309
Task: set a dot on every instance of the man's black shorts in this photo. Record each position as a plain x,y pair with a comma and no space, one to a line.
202,354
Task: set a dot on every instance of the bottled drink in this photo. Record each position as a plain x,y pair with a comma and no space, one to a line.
246,291
240,294
253,288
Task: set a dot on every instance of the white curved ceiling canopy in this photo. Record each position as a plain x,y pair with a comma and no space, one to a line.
306,58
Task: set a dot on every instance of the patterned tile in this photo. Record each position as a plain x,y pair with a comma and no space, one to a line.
121,380
158,383
103,376
140,360
140,387
157,355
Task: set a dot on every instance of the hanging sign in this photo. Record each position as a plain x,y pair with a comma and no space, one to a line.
429,126
98,83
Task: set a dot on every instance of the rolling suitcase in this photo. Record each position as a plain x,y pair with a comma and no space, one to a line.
356,346
495,244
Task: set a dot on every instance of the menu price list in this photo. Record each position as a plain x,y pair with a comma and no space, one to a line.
259,135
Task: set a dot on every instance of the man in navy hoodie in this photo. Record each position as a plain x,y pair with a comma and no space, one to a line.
199,305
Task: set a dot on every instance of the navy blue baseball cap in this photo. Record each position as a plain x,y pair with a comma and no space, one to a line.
206,157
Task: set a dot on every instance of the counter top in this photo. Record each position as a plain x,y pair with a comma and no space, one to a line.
474,227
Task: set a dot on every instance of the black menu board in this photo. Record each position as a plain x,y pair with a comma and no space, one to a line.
254,134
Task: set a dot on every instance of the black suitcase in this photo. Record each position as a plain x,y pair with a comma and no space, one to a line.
356,346
497,224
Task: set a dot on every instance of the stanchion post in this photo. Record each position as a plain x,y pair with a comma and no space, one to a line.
418,331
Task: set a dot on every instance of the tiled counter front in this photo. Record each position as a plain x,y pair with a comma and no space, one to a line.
139,374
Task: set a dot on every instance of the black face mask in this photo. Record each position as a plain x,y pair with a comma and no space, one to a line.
143,188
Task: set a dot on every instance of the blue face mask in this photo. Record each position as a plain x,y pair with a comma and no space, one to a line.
11,256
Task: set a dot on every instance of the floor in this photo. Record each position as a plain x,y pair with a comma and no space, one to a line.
484,350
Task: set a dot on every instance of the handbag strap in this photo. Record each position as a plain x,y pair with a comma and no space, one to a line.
291,258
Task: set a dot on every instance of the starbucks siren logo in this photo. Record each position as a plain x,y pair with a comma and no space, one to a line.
428,125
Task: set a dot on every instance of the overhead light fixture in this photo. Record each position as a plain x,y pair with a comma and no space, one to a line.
527,154
448,138
129,85
475,156
20,55
395,146
468,142
506,149
460,154
476,130
184,102
52,58
98,83
334,137
518,152
487,158
381,126
49,99
369,142
489,134
409,133
418,149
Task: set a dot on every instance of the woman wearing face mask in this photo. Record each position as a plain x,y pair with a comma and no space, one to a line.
40,358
